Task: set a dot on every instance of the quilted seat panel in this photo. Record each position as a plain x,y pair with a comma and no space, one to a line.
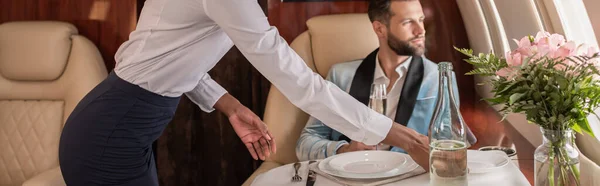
29,136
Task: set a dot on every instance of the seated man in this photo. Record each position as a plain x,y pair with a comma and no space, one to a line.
411,80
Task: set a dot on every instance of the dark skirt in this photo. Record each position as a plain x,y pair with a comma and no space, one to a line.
107,139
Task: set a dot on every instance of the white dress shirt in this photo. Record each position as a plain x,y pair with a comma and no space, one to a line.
393,96
176,42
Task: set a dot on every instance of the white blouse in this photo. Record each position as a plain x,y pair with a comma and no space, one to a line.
176,42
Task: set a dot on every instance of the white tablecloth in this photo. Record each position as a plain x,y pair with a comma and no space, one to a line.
508,175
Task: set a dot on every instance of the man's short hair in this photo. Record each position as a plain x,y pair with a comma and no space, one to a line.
379,10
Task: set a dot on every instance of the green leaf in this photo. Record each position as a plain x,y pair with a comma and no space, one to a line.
585,126
515,97
555,96
552,119
531,39
528,106
496,100
532,113
467,52
576,128
537,96
562,82
508,88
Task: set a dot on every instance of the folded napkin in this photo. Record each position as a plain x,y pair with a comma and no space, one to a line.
366,182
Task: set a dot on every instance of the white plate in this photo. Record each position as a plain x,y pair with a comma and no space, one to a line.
509,152
367,162
408,166
486,162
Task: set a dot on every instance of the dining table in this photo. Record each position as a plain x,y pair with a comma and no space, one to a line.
506,175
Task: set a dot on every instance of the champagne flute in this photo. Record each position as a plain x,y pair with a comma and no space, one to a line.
378,99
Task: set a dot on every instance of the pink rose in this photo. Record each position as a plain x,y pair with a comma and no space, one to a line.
541,35
548,44
566,50
514,59
556,40
524,42
525,47
591,51
544,50
507,73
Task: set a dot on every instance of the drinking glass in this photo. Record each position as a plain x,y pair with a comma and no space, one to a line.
378,100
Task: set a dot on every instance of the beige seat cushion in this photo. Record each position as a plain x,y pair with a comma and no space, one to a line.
45,70
340,38
52,177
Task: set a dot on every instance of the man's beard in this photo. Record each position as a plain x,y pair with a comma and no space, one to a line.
403,48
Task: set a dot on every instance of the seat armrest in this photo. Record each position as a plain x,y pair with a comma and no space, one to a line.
264,167
52,177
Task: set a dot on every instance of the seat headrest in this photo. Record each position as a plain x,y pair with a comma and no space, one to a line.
34,50
340,38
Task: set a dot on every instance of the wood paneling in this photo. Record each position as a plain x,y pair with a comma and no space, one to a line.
200,148
106,23
290,17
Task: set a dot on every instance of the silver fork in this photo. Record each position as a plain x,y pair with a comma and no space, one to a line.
296,177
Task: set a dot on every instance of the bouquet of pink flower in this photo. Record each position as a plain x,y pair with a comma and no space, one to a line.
555,84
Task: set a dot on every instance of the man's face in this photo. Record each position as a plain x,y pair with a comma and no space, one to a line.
405,32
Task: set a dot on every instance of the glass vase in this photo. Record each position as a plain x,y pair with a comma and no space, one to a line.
556,160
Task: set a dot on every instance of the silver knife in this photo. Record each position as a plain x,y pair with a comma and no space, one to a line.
312,175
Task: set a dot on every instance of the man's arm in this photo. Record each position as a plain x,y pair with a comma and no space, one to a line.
315,141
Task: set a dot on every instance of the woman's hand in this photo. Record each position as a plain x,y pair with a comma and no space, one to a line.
248,126
253,133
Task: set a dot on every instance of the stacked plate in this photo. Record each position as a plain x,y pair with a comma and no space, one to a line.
486,161
368,164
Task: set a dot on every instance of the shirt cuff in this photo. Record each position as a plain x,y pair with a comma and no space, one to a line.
377,128
206,94
333,147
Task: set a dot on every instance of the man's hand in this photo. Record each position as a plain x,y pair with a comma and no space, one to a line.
251,130
354,146
415,144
